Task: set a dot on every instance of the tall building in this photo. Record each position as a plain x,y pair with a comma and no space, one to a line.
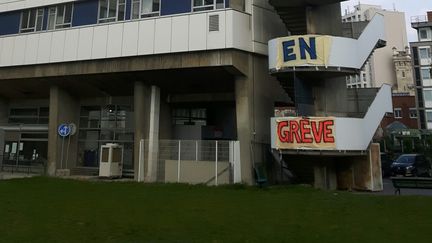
422,62
404,72
380,67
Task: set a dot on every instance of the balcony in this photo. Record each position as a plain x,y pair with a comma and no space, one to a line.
420,21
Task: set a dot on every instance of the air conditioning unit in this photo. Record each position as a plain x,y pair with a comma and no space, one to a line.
111,161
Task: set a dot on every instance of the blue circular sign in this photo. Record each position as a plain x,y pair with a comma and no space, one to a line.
64,130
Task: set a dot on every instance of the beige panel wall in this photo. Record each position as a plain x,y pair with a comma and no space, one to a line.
197,172
382,59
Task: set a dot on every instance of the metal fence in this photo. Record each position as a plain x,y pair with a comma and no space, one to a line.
194,161
14,164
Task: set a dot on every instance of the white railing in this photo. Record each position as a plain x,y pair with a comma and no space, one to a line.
419,19
194,161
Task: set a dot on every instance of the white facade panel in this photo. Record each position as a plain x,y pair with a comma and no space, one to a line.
198,32
115,40
242,37
19,50
216,39
85,43
32,45
130,39
180,34
146,37
99,47
163,35
44,48
71,44
7,51
58,46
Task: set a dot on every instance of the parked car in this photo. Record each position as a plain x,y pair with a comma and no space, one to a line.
386,163
411,165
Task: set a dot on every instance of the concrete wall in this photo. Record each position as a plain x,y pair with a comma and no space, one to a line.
4,111
197,172
382,59
63,109
318,21
256,94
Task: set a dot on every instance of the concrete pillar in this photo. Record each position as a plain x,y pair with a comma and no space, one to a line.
63,109
153,148
367,170
244,111
142,120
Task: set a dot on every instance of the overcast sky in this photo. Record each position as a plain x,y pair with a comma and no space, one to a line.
410,7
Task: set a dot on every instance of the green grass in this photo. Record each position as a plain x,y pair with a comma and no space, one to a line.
55,210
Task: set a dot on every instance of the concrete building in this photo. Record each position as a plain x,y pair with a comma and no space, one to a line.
129,71
182,85
422,63
379,69
404,111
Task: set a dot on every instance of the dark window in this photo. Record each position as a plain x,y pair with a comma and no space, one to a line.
415,55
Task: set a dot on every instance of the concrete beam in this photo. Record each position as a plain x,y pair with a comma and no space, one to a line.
216,58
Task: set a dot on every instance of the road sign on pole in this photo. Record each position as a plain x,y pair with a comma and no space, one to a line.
64,130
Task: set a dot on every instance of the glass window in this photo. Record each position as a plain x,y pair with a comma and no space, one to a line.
203,5
425,53
397,113
428,95
413,113
426,73
429,116
31,20
29,115
112,10
60,16
423,34
145,8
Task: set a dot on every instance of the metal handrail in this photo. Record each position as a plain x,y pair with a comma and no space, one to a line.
419,19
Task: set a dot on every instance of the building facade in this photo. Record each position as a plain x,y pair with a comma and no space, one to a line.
404,111
422,63
379,69
132,72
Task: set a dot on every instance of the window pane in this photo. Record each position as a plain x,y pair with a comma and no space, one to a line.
428,95
121,12
68,14
60,15
112,8
429,116
51,17
32,18
147,6
426,73
24,20
135,9
103,9
39,20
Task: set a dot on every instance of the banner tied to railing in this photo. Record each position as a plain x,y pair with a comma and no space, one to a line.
305,133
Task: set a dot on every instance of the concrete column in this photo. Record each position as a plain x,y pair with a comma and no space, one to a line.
244,111
142,120
63,109
153,148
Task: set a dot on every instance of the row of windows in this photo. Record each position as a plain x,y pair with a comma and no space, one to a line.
397,112
60,16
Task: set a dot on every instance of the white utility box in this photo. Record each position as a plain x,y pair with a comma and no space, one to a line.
111,160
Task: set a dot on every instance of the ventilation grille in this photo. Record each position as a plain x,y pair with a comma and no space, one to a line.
213,23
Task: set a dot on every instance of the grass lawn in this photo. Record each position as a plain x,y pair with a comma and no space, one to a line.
56,210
